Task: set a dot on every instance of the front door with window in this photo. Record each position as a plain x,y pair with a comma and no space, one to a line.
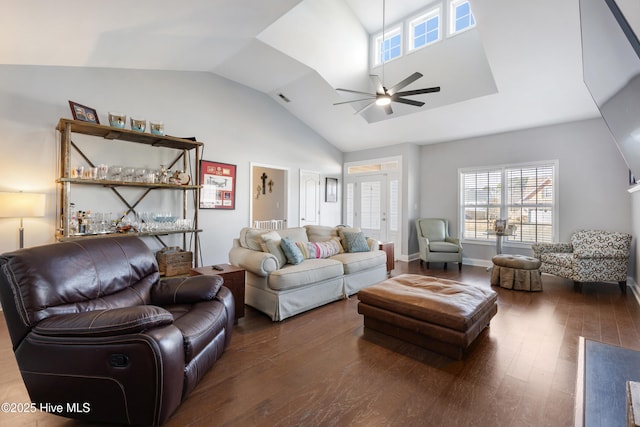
372,203
371,216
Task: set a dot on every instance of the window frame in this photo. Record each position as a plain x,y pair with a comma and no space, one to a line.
396,30
420,19
453,4
444,9
504,204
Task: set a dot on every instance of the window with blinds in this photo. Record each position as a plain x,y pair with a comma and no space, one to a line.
524,195
482,202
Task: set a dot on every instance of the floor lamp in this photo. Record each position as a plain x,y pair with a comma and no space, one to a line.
21,205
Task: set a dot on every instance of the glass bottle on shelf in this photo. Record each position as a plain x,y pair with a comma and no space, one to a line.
82,225
73,221
163,174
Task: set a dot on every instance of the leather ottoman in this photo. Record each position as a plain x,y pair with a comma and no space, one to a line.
441,315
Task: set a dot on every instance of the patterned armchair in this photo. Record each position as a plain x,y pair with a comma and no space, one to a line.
592,256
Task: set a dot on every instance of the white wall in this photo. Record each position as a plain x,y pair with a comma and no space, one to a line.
631,10
238,125
592,176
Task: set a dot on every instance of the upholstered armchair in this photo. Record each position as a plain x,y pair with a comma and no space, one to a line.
95,331
435,244
592,256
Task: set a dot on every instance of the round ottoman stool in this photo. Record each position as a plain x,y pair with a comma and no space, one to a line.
517,272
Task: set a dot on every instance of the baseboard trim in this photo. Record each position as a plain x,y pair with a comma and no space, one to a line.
465,261
477,262
631,283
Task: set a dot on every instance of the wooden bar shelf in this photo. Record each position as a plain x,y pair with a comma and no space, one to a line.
183,146
108,132
107,183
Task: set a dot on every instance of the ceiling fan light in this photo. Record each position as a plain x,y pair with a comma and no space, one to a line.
383,100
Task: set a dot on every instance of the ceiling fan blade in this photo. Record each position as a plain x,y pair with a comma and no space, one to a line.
353,100
365,107
357,91
406,82
377,83
418,91
387,109
408,101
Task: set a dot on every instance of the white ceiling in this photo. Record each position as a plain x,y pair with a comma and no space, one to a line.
527,70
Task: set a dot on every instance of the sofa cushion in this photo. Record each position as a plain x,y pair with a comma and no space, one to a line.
250,238
359,261
291,251
297,234
271,244
341,230
326,249
356,242
321,233
443,247
308,249
305,273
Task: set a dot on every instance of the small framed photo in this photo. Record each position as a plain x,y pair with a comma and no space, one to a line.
331,190
84,113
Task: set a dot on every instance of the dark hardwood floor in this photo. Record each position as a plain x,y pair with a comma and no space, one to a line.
321,368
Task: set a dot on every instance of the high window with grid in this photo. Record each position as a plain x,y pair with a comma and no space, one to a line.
389,48
524,195
425,29
461,16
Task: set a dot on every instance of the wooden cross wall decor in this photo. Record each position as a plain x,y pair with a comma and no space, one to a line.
264,182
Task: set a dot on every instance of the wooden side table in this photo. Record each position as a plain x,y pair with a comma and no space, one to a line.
388,249
234,279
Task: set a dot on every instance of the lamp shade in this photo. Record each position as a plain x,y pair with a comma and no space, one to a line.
21,205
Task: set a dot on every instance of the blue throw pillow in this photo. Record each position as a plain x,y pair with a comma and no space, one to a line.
291,251
356,242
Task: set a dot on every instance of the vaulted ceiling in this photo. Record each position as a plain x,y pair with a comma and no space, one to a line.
519,68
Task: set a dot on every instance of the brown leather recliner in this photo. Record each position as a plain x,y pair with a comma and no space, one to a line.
94,329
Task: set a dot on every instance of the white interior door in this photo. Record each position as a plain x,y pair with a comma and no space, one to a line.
309,198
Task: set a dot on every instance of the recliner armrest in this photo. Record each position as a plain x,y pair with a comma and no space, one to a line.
103,323
188,290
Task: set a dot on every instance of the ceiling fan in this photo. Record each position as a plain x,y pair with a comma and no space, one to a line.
383,96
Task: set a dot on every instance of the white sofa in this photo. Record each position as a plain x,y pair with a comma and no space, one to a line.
280,289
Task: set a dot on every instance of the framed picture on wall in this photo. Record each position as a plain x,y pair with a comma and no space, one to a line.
218,182
331,190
